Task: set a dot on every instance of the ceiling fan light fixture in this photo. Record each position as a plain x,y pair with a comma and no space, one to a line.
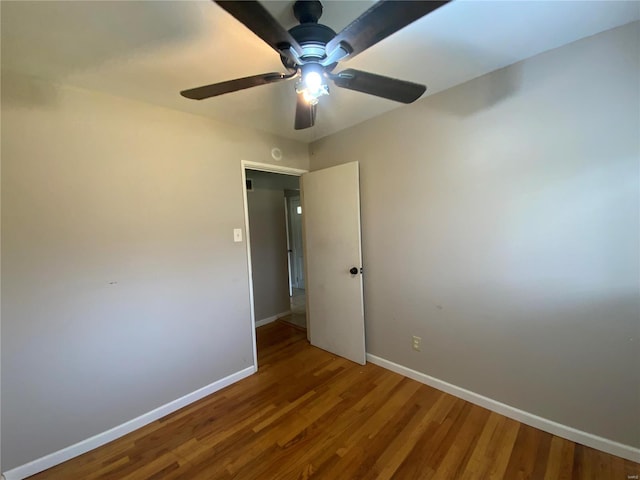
313,81
312,84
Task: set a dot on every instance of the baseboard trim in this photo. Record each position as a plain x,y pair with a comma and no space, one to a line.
100,439
264,321
564,431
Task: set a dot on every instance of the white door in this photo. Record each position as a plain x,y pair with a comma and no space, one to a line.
331,230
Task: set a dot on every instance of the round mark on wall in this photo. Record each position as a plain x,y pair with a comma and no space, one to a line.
276,154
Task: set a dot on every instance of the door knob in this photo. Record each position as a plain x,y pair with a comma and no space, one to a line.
353,270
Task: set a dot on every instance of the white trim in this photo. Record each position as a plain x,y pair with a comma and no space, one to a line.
273,318
269,167
100,439
247,237
564,431
263,167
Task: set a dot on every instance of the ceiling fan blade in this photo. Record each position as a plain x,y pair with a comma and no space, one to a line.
213,90
378,22
385,87
305,113
257,19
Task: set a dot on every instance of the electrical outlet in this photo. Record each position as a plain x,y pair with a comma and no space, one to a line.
416,343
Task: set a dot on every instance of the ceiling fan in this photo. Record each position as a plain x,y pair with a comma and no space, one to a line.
311,51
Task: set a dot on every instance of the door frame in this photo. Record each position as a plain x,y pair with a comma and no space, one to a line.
263,167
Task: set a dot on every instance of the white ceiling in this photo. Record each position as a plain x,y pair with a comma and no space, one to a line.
151,50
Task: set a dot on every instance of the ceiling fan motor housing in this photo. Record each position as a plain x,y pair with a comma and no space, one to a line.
307,11
311,35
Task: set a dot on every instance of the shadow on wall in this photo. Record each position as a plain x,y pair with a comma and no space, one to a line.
57,39
21,91
489,91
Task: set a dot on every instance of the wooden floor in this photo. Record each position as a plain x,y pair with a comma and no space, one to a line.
309,414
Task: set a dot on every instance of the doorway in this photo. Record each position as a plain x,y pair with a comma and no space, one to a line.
274,245
330,210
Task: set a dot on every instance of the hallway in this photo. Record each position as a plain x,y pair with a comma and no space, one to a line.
298,314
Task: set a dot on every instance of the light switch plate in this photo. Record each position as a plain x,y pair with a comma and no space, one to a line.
237,235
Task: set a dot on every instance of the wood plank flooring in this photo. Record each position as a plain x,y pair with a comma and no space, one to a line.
307,414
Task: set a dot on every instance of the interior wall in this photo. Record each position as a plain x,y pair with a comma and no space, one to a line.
268,232
267,228
273,181
122,287
501,224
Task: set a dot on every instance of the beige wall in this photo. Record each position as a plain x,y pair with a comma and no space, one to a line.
500,224
122,288
267,227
